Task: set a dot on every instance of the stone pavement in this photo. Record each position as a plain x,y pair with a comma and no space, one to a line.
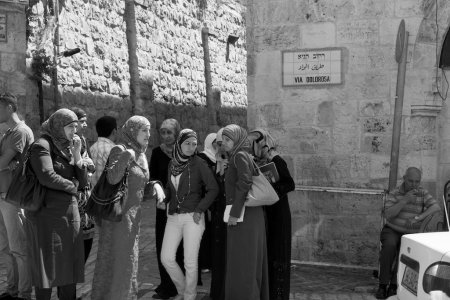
308,282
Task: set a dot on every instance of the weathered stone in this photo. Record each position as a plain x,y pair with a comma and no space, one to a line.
358,32
315,35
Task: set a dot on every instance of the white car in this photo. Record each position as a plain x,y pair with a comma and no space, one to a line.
424,267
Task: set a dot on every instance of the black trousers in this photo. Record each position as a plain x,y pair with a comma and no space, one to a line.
87,248
65,292
390,247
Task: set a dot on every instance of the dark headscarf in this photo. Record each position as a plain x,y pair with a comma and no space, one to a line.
180,160
239,136
54,128
129,133
79,112
265,140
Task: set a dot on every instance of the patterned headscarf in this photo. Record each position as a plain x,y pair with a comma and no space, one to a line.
54,128
210,151
239,136
265,140
180,160
129,133
173,125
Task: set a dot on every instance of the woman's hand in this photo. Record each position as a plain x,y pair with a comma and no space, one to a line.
232,221
161,205
158,192
197,217
132,154
76,145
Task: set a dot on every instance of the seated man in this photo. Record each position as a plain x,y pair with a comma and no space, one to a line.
406,207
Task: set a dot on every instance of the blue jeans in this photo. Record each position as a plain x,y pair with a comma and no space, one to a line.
13,248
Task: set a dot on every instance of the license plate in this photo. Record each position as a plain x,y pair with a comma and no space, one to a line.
410,280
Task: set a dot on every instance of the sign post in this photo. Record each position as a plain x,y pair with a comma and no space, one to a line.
401,52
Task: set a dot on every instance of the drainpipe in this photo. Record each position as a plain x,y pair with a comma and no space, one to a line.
55,56
207,63
401,52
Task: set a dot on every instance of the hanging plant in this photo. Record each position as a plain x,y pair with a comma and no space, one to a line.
42,64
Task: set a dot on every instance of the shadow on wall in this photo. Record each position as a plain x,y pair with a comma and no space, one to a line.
197,118
97,104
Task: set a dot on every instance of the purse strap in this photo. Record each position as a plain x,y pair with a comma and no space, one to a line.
255,171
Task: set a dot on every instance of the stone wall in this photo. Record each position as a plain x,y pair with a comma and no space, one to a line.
170,57
340,135
12,51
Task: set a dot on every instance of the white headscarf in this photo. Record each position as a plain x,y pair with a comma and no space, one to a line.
210,151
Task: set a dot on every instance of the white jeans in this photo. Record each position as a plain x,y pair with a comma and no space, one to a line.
13,248
182,226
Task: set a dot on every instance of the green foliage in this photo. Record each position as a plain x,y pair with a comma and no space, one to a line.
42,64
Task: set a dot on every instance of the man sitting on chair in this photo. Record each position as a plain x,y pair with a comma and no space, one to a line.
407,206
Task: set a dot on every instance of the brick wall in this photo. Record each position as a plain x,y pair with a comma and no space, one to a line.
170,57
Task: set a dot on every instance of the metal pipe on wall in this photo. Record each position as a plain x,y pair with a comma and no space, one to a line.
401,55
55,56
207,64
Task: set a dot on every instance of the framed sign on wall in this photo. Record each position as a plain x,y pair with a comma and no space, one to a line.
312,67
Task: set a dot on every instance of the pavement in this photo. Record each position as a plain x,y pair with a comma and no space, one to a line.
308,281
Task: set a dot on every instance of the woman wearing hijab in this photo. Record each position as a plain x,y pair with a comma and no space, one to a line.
246,266
218,234
54,236
278,216
115,275
188,177
159,169
209,156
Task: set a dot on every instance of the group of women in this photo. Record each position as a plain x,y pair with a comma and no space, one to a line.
250,258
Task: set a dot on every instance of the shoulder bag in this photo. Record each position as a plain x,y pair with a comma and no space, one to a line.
25,190
261,192
107,200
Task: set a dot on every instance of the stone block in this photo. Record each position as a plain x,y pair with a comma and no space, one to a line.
310,140
374,108
379,166
359,167
346,138
376,124
9,62
369,85
374,8
408,8
325,170
362,32
293,116
268,63
376,143
378,58
322,34
277,37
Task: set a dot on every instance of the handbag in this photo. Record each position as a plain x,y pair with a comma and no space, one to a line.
25,190
107,200
261,192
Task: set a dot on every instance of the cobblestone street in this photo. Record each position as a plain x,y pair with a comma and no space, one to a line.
310,282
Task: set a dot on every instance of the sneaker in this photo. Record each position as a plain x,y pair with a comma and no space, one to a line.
392,290
381,293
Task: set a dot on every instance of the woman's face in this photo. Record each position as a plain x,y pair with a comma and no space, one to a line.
143,135
167,136
188,146
82,125
227,143
70,130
